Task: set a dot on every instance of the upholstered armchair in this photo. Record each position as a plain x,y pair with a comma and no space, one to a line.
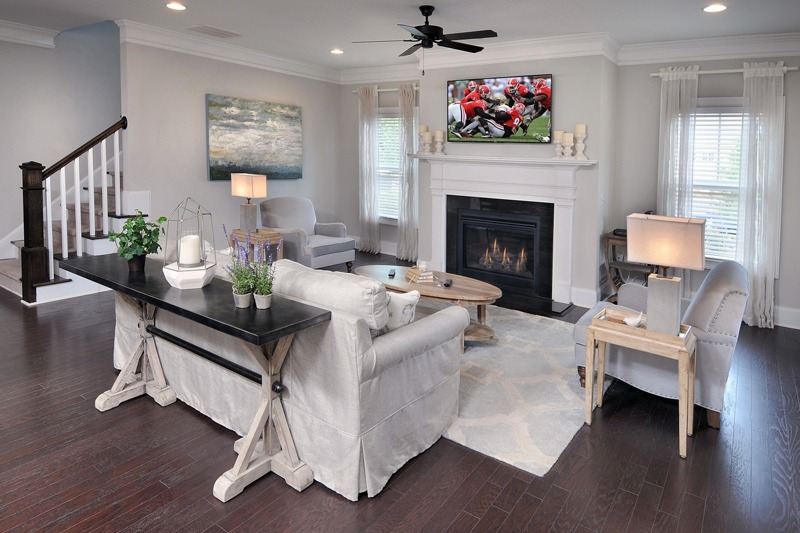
715,314
306,241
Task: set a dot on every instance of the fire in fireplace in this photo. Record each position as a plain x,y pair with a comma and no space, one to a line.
507,243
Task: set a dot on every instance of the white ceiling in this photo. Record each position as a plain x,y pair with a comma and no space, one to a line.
306,30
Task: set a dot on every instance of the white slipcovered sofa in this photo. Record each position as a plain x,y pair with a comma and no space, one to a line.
359,404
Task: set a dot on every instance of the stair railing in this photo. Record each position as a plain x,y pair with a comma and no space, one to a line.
36,259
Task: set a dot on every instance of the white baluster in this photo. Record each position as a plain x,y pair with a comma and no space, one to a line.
48,199
104,177
117,192
90,187
76,186
62,183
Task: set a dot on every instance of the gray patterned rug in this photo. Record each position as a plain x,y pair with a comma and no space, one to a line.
520,400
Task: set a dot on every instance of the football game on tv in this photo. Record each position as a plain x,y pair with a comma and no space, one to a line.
513,109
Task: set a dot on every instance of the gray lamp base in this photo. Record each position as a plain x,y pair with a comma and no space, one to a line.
248,217
664,304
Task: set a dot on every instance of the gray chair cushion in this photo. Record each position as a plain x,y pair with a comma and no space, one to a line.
319,245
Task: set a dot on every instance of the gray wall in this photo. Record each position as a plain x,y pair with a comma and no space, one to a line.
163,95
52,101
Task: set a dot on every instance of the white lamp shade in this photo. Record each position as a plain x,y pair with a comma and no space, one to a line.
666,241
249,185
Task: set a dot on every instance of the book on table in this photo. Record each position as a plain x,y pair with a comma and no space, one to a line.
417,275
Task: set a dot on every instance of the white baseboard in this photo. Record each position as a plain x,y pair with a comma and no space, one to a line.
787,317
61,291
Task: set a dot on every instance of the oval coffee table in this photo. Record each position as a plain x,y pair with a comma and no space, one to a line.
463,291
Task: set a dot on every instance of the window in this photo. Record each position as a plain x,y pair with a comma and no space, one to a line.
389,162
718,160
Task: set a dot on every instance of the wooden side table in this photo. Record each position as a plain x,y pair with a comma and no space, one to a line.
608,327
260,237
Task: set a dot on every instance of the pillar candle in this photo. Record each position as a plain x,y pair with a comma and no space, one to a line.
580,129
426,136
423,128
558,136
438,135
190,250
567,137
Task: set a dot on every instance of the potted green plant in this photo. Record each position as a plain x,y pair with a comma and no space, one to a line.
243,275
264,276
137,239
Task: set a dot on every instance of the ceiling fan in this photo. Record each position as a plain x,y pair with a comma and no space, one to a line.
427,34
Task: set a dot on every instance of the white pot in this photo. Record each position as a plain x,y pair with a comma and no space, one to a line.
263,301
243,300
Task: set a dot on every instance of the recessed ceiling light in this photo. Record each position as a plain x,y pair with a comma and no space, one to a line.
337,51
715,8
176,6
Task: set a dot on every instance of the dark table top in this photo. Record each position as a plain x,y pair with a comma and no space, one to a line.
211,306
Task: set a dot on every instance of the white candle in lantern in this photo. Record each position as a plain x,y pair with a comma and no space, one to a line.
190,250
580,129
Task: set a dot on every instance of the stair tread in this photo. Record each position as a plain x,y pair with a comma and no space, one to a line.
11,268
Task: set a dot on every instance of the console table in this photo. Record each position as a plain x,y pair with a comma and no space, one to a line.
266,336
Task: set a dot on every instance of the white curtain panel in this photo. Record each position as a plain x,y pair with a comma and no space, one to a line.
368,193
760,212
676,140
408,214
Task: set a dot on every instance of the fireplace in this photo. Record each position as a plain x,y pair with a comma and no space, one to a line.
549,181
507,243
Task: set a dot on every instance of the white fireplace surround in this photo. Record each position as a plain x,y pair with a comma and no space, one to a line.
532,180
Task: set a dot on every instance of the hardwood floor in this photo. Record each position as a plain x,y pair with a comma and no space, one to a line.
64,466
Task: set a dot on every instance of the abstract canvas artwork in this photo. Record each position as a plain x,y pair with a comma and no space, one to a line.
253,137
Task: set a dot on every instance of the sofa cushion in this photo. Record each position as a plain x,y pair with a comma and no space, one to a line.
338,291
402,307
319,245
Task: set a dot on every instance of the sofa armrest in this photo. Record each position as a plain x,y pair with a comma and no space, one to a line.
331,229
294,240
634,296
415,339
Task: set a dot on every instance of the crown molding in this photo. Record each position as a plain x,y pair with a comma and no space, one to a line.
585,44
142,34
30,35
404,72
741,47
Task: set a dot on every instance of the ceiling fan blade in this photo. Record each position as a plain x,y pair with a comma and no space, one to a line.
386,41
411,50
464,47
413,31
480,34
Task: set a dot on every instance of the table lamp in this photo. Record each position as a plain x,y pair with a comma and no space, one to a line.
248,186
665,242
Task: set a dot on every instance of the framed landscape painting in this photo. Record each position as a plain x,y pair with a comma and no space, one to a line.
253,137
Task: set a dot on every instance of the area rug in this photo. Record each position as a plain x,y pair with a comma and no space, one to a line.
520,398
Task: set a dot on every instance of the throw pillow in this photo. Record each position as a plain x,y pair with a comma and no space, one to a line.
402,307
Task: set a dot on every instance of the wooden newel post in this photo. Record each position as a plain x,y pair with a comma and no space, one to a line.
34,255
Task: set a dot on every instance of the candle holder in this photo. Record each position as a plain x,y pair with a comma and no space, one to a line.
557,149
580,147
439,148
424,146
189,253
566,150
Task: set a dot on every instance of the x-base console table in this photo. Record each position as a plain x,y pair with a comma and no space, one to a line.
609,327
265,334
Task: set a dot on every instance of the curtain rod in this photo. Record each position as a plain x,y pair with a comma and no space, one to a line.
416,88
721,71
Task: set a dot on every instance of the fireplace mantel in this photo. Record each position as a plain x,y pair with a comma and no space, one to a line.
513,178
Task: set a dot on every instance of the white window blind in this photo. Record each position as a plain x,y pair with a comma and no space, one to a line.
389,162
715,184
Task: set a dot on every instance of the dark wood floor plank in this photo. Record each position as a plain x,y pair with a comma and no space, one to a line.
547,512
620,513
645,509
521,514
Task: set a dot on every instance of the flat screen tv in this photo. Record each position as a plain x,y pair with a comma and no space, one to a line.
515,109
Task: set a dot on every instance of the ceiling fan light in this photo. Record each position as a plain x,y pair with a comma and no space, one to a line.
715,8
176,6
337,51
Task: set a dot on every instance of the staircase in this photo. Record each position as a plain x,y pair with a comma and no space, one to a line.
56,229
